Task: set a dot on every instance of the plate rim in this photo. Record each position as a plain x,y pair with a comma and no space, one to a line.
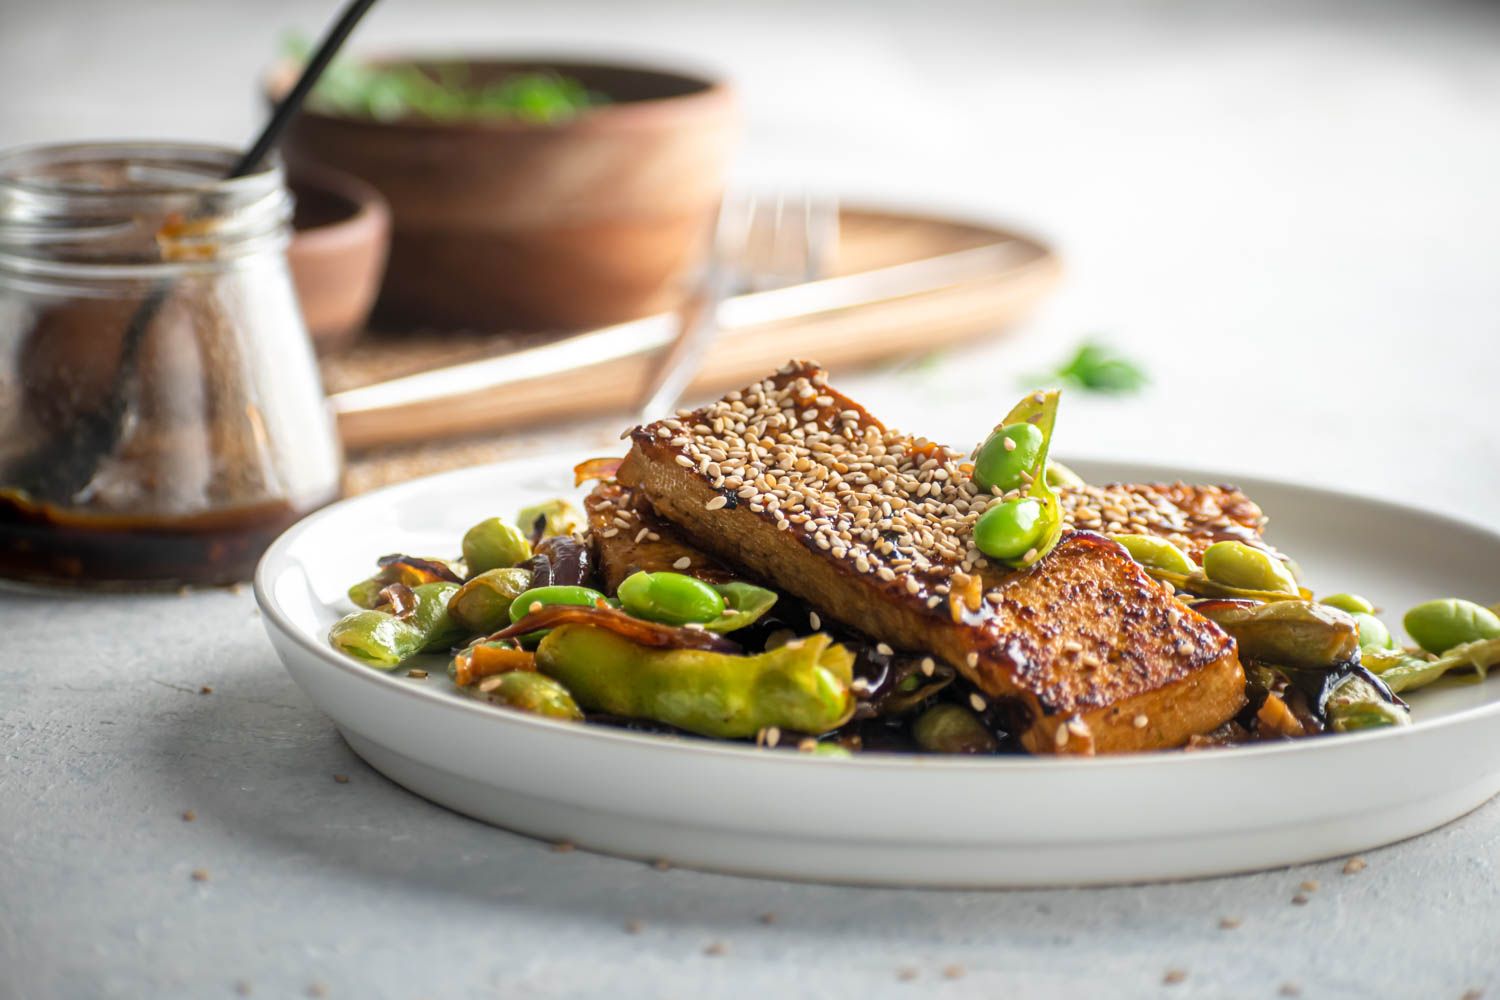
275,562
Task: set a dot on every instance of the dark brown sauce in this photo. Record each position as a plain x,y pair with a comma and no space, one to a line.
40,543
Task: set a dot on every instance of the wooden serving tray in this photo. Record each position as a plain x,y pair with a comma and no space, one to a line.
984,297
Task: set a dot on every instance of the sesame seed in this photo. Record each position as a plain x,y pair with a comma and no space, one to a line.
535,607
807,745
1060,738
1310,885
562,847
884,650
972,659
684,461
716,949
1140,722
200,874
682,563
953,971
342,779
1299,900
1174,976
716,503
814,621
906,973
1354,866
773,735
928,666
189,815
416,673
977,701
1229,923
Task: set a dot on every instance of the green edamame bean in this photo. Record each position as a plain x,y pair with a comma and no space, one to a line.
527,691
836,750
671,598
1437,626
1006,454
1156,553
483,604
950,728
1235,564
1372,632
1011,529
550,517
1352,603
540,597
493,544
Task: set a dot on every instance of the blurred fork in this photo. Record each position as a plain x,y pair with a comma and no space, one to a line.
760,243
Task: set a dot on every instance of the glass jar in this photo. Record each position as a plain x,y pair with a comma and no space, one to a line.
161,417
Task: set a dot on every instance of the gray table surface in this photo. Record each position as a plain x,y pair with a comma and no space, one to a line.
1288,211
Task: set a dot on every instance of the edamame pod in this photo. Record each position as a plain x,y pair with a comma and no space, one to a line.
949,728
1438,626
1352,603
525,691
1154,552
670,598
803,686
482,605
494,544
1012,522
1236,564
384,640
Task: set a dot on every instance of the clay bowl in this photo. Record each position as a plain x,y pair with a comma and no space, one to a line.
341,233
505,224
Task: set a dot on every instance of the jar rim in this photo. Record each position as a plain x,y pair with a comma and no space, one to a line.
19,166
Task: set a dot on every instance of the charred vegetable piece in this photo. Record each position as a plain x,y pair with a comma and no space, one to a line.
494,544
525,691
1021,531
384,640
1235,564
1407,671
803,686
1438,626
949,728
744,604
550,517
483,603
409,570
1358,704
561,560
1291,633
485,658
670,598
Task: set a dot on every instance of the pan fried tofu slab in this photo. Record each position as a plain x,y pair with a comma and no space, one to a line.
798,484
629,537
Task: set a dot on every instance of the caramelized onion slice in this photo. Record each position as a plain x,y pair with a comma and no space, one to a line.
423,570
637,630
595,468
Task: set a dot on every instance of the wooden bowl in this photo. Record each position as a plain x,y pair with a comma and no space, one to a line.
503,224
341,233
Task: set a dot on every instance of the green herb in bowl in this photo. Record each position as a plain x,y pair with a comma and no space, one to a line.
444,92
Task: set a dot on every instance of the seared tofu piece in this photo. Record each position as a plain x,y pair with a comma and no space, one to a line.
628,536
800,485
1190,517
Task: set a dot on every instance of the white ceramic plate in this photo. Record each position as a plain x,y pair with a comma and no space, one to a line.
890,819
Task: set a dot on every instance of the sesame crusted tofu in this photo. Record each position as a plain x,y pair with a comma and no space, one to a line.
1190,517
628,536
800,485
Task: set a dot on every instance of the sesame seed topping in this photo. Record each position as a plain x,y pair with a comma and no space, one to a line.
884,650
1140,722
716,503
1060,738
928,666
682,563
1354,866
977,701
972,659
1010,444
773,736
814,621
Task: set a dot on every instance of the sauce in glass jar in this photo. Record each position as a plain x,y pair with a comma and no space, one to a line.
143,294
